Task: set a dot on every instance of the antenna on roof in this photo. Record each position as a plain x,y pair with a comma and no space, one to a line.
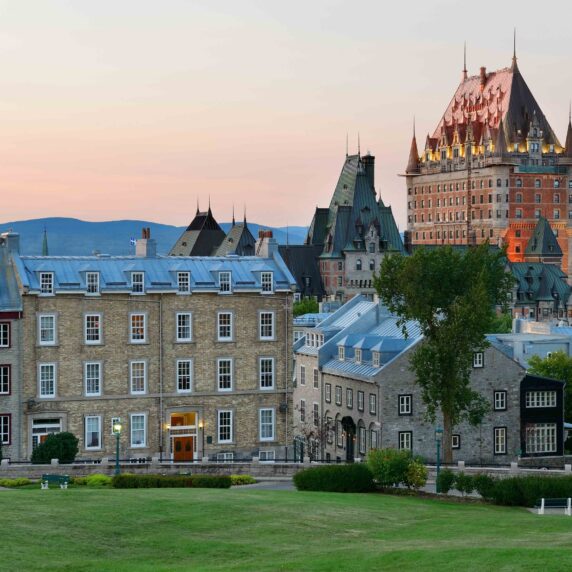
209,203
358,146
465,61
244,213
197,205
413,125
514,66
233,221
570,111
346,144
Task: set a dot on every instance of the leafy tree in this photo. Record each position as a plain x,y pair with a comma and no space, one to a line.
315,434
305,306
451,295
500,323
61,446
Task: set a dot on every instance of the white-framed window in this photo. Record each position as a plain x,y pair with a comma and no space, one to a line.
114,421
225,282
338,394
138,426
362,440
5,429
225,457
266,325
47,329
541,438
138,377
316,379
500,440
500,400
534,399
184,282
224,374
315,414
138,328
405,404
302,411
224,326
376,359
267,282
360,400
5,379
358,355
47,380
349,398
328,392
184,375
478,359
92,378
297,335
341,353
266,372
266,455
138,282
373,439
455,441
224,429
92,329
4,334
267,424
92,282
405,440
46,282
373,404
184,327
93,432
302,374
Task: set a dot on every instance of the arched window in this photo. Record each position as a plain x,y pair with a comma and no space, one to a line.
372,264
537,183
519,183
556,184
519,197
499,183
358,264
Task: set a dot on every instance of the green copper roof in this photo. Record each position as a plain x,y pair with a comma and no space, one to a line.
540,282
543,243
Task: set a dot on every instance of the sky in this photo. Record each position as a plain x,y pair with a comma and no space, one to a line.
137,109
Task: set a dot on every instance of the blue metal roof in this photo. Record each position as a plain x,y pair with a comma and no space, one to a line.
309,320
9,294
160,273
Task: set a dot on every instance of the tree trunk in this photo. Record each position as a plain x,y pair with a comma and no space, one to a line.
447,444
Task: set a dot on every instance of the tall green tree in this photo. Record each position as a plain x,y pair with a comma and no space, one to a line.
450,294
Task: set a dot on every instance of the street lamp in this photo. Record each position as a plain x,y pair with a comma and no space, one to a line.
202,430
438,441
117,431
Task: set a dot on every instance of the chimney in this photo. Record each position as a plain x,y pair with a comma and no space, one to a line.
369,168
10,241
483,77
266,245
146,246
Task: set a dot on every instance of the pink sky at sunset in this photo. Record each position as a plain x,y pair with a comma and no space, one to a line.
135,108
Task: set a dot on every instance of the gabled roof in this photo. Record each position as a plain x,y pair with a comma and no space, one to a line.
538,282
302,261
413,161
318,228
543,242
201,238
239,241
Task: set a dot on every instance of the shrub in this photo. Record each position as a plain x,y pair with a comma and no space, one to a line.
129,481
389,466
79,481
98,481
464,483
11,483
484,485
416,475
211,481
242,480
61,446
445,480
354,478
526,491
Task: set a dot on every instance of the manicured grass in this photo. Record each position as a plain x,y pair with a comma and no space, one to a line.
241,529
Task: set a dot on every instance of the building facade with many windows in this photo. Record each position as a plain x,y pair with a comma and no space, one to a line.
190,354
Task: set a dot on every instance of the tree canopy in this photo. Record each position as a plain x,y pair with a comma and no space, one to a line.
451,295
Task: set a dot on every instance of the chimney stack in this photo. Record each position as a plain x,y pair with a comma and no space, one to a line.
146,247
266,245
483,77
11,241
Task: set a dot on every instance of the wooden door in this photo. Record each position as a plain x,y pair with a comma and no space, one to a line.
183,448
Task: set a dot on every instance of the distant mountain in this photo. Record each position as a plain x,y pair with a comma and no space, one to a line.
70,236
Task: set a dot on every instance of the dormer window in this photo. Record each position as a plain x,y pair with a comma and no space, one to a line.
137,282
224,279
92,282
341,353
267,282
376,359
184,282
372,247
358,355
47,282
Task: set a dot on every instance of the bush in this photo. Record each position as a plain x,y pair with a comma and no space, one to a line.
354,478
11,483
129,481
236,480
416,475
445,480
526,491
464,483
98,481
78,481
61,446
484,485
389,466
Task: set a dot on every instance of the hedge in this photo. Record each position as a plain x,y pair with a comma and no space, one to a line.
526,491
128,481
237,480
355,478
18,482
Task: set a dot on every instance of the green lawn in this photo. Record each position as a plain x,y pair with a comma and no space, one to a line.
241,529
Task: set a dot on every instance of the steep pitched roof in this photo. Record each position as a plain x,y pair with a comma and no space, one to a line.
318,228
344,191
413,161
568,144
540,282
239,241
302,261
201,238
543,243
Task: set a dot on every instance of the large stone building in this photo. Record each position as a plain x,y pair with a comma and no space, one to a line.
354,233
192,354
492,167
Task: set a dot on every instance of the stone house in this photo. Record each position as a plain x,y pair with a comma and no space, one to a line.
191,354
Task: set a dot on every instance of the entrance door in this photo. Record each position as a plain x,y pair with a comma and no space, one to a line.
349,428
183,448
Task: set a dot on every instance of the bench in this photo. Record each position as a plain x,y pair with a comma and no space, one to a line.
565,504
61,480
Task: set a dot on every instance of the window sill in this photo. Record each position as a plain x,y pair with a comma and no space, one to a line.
184,341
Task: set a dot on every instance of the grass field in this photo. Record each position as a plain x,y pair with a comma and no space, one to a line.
241,529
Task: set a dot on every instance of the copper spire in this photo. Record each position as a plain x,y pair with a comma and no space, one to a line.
514,66
413,162
465,62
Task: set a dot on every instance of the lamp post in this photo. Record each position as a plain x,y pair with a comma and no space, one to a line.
202,430
438,440
117,430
